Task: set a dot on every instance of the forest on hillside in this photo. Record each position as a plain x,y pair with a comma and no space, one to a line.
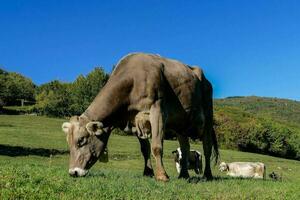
261,125
256,124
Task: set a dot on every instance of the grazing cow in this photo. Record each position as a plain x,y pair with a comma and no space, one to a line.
244,169
153,95
195,160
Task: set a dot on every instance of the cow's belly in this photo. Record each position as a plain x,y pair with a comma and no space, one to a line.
245,172
177,119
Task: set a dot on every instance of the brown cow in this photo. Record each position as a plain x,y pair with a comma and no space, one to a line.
154,95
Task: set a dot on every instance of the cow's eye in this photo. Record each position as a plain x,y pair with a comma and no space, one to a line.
81,141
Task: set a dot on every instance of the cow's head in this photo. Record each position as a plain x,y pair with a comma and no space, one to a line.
223,167
177,155
87,140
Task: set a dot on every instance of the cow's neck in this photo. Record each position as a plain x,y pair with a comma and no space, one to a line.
111,98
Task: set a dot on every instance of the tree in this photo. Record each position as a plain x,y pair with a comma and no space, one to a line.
54,99
2,87
62,99
84,89
14,87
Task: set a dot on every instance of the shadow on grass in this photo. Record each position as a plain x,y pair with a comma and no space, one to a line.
14,151
6,125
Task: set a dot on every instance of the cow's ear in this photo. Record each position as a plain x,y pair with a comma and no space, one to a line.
66,127
95,128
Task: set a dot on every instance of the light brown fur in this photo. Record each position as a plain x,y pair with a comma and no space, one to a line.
175,97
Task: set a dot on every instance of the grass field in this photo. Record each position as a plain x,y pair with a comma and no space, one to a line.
35,172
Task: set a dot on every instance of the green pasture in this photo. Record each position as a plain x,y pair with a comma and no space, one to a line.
34,165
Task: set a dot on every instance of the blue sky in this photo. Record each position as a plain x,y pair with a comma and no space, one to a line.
245,47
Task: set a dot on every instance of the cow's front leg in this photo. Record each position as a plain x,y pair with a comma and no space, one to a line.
157,129
145,149
185,150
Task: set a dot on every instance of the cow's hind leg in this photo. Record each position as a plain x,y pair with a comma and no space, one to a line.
185,149
157,129
145,149
207,149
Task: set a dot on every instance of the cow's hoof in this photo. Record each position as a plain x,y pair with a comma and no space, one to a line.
148,172
184,176
162,177
208,177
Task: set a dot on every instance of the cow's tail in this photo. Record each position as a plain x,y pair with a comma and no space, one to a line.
208,92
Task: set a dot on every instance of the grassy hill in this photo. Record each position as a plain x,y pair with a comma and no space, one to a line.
41,173
258,124
281,110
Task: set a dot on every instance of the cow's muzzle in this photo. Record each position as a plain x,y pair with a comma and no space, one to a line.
77,172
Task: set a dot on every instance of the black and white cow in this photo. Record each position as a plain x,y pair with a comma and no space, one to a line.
195,160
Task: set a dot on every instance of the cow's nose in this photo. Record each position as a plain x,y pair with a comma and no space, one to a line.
77,172
73,172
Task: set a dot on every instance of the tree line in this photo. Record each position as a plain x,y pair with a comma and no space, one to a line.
55,98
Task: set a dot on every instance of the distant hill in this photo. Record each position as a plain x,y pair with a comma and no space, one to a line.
259,124
281,110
